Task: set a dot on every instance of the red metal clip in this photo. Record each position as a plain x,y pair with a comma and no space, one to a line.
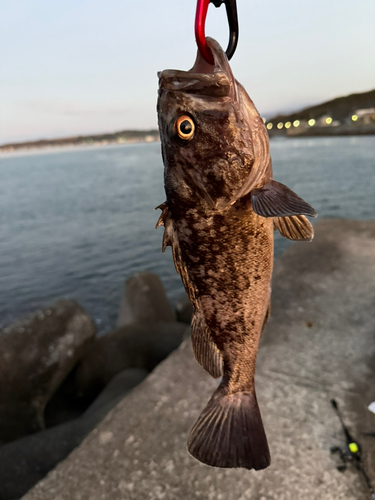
200,36
200,21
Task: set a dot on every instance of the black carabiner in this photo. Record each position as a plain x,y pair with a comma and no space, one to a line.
231,7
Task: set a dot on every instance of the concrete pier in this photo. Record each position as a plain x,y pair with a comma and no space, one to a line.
318,345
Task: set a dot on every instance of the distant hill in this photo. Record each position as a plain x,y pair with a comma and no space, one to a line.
338,109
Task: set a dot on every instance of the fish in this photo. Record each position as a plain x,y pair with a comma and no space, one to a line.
222,207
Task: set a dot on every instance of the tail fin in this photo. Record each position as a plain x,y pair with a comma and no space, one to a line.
230,433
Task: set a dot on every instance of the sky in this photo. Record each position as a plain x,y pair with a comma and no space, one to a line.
87,66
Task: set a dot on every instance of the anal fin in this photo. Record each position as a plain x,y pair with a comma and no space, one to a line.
205,350
296,227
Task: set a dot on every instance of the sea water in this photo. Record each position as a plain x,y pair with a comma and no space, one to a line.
77,223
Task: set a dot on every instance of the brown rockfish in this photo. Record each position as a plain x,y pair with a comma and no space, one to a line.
221,210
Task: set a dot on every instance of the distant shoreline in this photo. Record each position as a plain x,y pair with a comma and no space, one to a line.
67,149
350,115
92,141
100,140
319,131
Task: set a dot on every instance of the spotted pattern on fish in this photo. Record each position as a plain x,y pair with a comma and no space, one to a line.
221,209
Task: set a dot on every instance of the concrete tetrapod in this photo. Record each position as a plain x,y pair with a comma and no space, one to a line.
36,354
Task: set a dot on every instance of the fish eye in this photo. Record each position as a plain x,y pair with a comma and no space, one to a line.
185,127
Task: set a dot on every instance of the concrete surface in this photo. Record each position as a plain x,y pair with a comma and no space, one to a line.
319,344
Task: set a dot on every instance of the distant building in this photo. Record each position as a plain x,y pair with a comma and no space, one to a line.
366,116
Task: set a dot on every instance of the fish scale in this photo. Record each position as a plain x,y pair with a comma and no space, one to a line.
219,216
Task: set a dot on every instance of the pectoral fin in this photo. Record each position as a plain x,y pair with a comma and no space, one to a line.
296,228
276,200
164,216
267,317
170,239
165,220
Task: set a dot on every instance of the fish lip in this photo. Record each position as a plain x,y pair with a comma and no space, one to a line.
215,80
221,62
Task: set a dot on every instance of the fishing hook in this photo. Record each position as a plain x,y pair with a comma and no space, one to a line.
200,21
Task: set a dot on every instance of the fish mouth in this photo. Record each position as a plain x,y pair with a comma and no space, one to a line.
215,80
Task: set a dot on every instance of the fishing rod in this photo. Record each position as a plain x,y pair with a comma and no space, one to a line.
353,451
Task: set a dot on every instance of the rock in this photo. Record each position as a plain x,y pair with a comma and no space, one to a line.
139,450
144,300
131,346
25,461
62,407
36,354
114,392
184,309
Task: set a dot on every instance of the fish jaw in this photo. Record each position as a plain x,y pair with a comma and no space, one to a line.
212,167
210,80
